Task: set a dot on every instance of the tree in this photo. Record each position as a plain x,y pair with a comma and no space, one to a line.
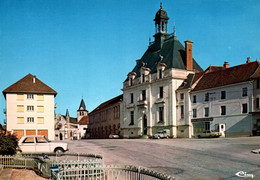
8,144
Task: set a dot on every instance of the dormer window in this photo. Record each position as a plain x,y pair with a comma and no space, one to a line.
160,73
131,77
160,70
143,78
144,71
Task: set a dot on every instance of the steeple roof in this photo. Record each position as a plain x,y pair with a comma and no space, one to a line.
82,106
67,113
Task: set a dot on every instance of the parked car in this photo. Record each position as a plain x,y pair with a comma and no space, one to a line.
209,134
38,143
113,136
163,133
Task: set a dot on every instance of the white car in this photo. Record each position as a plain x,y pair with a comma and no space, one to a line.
38,143
113,136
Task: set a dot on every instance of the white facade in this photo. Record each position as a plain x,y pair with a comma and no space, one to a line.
229,112
147,119
30,113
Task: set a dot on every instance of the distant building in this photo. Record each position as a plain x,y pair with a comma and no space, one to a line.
30,108
149,102
72,128
105,119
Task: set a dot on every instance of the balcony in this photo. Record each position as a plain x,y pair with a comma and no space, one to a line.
160,101
142,103
131,105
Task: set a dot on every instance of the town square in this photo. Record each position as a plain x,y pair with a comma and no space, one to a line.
130,89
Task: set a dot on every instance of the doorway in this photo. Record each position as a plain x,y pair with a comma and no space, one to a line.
222,129
145,125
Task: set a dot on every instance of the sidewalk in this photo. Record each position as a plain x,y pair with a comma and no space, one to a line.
6,174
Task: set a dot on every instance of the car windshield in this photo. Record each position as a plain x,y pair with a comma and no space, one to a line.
46,139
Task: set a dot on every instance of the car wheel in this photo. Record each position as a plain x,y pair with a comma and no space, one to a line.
158,137
59,151
167,137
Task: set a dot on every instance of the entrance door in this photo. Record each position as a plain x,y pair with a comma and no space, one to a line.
145,125
222,129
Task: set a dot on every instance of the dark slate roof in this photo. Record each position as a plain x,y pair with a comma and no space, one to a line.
173,53
73,120
187,83
82,106
108,103
26,85
232,75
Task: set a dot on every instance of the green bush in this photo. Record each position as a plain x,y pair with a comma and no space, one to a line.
8,144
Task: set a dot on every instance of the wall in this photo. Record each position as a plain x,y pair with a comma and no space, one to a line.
48,114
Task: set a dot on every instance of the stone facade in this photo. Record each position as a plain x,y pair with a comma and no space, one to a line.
105,119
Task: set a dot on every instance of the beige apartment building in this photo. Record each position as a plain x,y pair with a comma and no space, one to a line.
30,108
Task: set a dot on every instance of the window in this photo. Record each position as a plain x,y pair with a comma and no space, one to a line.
257,83
194,99
244,92
40,97
132,97
182,111
40,109
161,110
131,81
223,110
244,108
29,96
257,103
160,73
20,97
161,92
132,117
143,78
182,96
30,120
223,94
20,108
30,108
20,120
40,120
206,112
194,113
207,126
207,97
143,95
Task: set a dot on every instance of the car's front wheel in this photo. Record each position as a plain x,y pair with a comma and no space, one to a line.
58,151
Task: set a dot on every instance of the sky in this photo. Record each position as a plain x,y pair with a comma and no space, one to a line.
86,48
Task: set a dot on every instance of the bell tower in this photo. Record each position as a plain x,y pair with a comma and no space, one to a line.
82,111
161,26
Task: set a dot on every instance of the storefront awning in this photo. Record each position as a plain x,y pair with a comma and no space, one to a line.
201,119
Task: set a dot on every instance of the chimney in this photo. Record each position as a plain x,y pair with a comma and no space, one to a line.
248,60
226,65
189,59
34,79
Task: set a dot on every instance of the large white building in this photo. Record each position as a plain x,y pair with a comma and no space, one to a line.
149,92
30,108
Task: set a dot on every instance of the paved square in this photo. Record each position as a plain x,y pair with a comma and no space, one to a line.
216,158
